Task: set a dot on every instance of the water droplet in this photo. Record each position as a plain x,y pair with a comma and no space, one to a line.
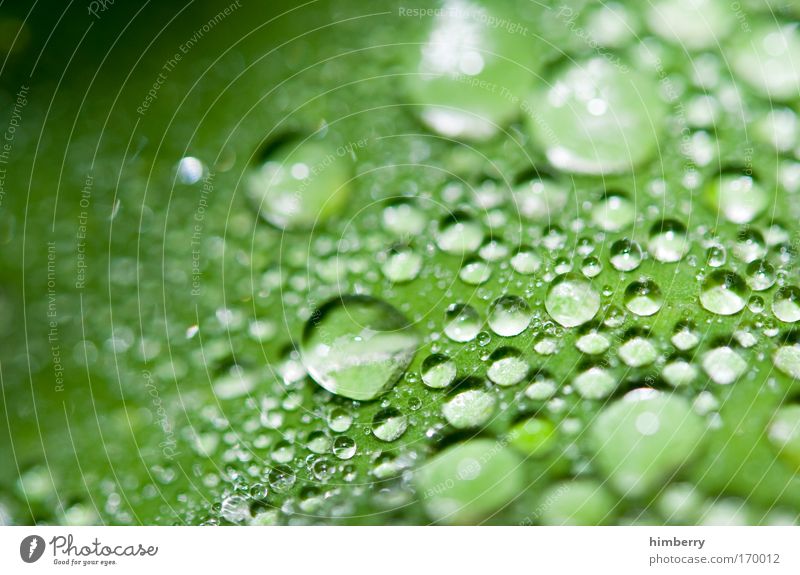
540,200
679,373
784,433
404,219
626,255
533,437
668,241
594,118
642,438
509,315
761,60
593,343
475,272
643,297
723,293
787,360
525,261
401,264
471,73
571,301
613,213
468,481
786,304
190,170
716,256
357,346
389,424
637,351
301,185
723,365
749,245
471,408
438,371
737,197
760,275
281,478
685,336
577,502
594,383
507,366
459,234
462,322
339,420
344,447
541,389
318,442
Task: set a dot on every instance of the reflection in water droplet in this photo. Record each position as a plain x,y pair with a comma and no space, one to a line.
438,371
301,185
613,213
723,293
389,424
471,408
643,297
507,367
668,241
786,304
626,255
594,383
737,197
571,301
459,234
595,118
462,322
509,316
723,365
357,346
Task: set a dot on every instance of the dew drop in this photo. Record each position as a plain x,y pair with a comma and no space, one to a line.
643,297
468,409
357,346
723,293
462,322
509,315
438,371
571,301
507,367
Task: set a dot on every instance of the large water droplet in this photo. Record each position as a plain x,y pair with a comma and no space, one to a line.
438,371
594,118
626,255
300,185
723,293
594,383
643,297
642,438
737,197
462,322
357,346
471,73
471,408
509,315
459,234
507,366
723,365
571,301
389,424
693,24
767,60
468,481
668,241
613,213
786,304
784,434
